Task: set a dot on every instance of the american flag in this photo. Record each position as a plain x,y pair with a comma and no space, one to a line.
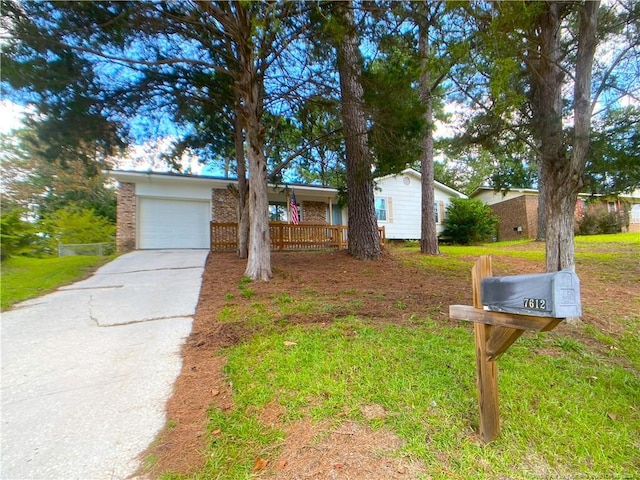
295,215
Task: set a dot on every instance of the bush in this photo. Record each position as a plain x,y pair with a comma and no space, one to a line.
469,221
597,219
75,225
16,235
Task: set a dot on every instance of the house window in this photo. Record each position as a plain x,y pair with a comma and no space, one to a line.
436,212
334,215
278,212
582,206
381,209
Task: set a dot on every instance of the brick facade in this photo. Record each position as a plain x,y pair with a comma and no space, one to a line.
517,218
223,210
224,206
126,221
314,212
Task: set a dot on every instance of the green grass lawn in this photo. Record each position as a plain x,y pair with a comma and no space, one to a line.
630,238
568,410
564,415
25,277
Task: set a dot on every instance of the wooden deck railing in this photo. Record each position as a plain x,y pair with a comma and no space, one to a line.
285,236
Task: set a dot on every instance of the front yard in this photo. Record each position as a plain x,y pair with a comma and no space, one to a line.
27,277
346,369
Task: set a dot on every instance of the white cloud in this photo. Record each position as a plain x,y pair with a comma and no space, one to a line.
628,101
148,157
10,116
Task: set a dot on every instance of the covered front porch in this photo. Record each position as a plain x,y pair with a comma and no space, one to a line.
287,236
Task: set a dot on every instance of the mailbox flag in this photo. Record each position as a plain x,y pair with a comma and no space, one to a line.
295,216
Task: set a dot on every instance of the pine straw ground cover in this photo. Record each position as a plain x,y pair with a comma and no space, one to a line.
353,370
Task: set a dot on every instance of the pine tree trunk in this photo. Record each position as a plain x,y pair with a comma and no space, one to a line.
559,227
553,152
243,224
364,241
561,171
547,80
259,254
249,87
429,232
243,188
542,214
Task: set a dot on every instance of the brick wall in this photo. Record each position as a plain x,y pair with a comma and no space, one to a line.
520,212
314,212
224,209
224,206
126,218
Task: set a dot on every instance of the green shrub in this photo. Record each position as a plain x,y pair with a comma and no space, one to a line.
16,235
597,219
469,222
74,225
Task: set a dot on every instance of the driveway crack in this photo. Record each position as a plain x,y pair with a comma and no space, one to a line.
151,270
144,320
96,320
101,287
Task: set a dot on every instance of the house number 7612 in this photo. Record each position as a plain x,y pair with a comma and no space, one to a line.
535,303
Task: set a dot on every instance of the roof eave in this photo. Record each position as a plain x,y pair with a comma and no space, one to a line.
221,182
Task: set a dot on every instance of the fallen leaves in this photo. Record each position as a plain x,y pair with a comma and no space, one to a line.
260,464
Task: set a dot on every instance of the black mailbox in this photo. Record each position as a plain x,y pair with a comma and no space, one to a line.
555,295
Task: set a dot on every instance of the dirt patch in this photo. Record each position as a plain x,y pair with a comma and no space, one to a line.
348,451
388,290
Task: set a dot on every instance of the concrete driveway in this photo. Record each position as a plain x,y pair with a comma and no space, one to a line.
86,370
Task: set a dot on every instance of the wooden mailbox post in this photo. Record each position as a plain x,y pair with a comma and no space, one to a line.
534,306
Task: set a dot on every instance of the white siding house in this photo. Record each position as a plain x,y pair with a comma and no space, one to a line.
399,203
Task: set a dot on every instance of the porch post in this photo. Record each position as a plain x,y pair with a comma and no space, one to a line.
330,212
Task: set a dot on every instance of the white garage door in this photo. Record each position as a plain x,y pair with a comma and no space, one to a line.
167,223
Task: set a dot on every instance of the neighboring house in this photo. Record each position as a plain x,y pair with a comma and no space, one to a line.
165,210
398,200
634,210
517,209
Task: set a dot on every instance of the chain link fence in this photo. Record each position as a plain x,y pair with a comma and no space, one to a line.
95,249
